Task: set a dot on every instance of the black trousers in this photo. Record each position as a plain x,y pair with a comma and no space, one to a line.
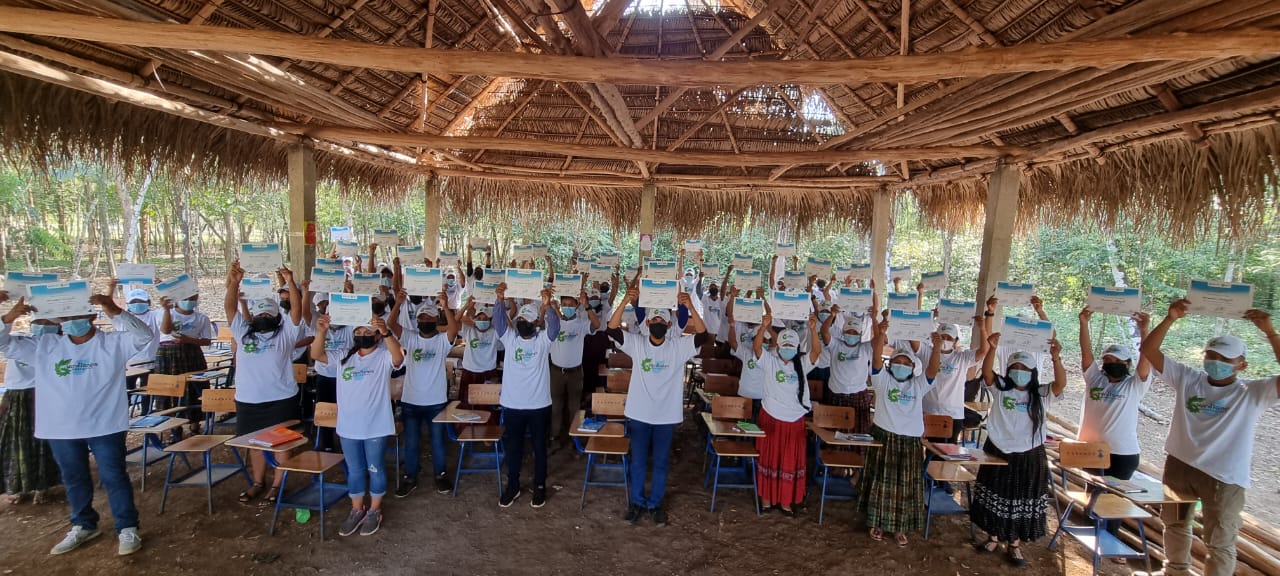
518,423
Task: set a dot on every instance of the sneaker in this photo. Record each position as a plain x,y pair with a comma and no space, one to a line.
539,497
372,521
634,513
659,516
130,542
352,523
509,495
443,485
74,539
406,487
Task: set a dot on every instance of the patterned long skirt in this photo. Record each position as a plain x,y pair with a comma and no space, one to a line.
781,470
174,358
26,462
1009,502
891,488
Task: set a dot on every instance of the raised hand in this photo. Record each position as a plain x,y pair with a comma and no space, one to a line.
993,340
1178,309
501,291
1261,319
20,309
379,324
992,304
1143,320
1086,314
1055,348
322,323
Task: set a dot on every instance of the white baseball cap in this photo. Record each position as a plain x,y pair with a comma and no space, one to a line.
788,339
1119,352
264,306
1024,358
138,294
947,329
528,312
1227,345
661,314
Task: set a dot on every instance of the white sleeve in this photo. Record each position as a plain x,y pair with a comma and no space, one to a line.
140,334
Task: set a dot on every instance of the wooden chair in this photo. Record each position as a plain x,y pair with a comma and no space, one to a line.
474,437
317,495
224,340
720,384
938,426
816,388
1099,506
172,386
214,401
731,408
829,460
619,382
938,502
300,374
209,475
604,446
619,360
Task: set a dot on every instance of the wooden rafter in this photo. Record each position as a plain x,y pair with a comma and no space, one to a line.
733,142
515,111
1170,102
693,129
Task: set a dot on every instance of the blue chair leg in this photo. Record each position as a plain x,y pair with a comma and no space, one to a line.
755,488
208,479
822,502
1061,521
323,497
284,481
626,480
715,480
244,470
1146,552
928,504
586,478
497,466
168,475
1097,545
462,453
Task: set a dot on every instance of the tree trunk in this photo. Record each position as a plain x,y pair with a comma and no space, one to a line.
180,214
1118,277
132,209
947,239
143,234
228,241
85,231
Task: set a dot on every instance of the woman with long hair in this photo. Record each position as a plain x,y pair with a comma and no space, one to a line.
781,474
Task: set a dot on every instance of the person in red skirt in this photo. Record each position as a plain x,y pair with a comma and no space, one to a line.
781,473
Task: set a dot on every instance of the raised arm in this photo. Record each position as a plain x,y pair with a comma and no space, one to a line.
935,357
825,330
166,316
1086,339
815,349
550,316
1038,304
880,336
500,310
451,332
295,296
231,301
137,329
15,346
757,345
695,322
393,323
1143,320
1059,371
989,362
984,347
318,353
1151,344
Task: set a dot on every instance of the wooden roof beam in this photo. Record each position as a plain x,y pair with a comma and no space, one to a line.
691,130
206,10
978,33
877,20
1072,129
1170,102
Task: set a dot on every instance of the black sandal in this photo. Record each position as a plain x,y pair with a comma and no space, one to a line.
1015,556
273,494
988,547
252,493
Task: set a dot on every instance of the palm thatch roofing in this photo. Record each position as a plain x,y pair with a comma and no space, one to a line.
1169,140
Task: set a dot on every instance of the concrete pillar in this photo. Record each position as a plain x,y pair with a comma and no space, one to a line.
881,228
997,232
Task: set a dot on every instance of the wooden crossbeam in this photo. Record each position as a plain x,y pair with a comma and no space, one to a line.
717,111
1170,102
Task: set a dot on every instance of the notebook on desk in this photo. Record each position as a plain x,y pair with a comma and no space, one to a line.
274,437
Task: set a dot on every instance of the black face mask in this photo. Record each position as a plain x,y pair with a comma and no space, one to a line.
479,274
604,288
265,323
713,292
1115,369
379,308
285,305
416,300
363,342
524,328
658,331
426,327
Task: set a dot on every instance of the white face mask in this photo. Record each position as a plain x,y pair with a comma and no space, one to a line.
948,346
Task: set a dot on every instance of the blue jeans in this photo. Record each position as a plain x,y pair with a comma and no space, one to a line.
646,440
535,424
365,455
415,417
73,460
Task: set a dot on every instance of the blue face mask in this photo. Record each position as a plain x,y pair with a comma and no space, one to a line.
852,339
482,325
822,316
787,353
138,307
42,329
450,282
1020,378
629,308
900,372
593,303
386,282
568,311
1219,370
77,328
187,305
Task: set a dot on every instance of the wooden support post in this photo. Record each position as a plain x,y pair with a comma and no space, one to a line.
648,206
881,228
434,205
997,232
302,209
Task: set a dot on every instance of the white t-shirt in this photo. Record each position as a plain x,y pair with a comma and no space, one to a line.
526,374
1008,424
850,366
480,349
337,342
566,351
19,375
656,395
780,385
900,405
305,331
264,365
713,316
194,325
947,396
1110,411
751,381
152,319
454,294
80,388
424,381
364,396
1213,426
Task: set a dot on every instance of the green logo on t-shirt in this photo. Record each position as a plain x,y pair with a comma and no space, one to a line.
473,343
250,347
347,372
1195,404
62,367
1095,393
1009,403
417,354
751,364
646,364
895,394
780,376
520,353
561,336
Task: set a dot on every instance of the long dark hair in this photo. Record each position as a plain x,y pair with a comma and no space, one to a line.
801,379
1035,401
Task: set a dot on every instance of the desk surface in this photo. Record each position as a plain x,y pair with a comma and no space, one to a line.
1156,492
726,427
610,430
980,458
243,441
828,436
167,425
446,416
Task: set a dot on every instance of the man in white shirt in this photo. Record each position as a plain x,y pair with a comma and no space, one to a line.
1210,442
526,390
81,405
576,323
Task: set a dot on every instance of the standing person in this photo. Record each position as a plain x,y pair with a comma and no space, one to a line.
266,393
184,332
1115,391
365,419
891,487
1009,502
138,303
26,462
946,398
1210,443
851,359
81,405
337,340
781,475
526,391
480,348
426,392
576,322
740,337
655,400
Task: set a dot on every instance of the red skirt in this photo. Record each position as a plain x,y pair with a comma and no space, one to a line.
781,470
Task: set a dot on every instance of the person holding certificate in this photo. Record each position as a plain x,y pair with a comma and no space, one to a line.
1009,502
426,392
526,390
337,340
781,475
851,357
947,396
26,462
1210,442
266,393
1115,391
184,331
740,336
576,322
480,348
138,303
81,406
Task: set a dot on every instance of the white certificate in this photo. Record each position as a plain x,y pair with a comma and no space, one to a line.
521,252
423,281
1115,300
934,280
903,301
259,258
747,280
484,292
17,283
495,275
902,273
337,233
661,270
368,283
539,251
480,244
256,289
711,271
910,325
790,305
600,272
386,237
60,300
1026,335
329,264
860,272
748,310
1014,295
410,253
583,265
350,309
794,280
658,293
348,249
1221,299
609,258
524,284
145,274
743,261
785,249
817,267
326,280
959,312
568,285
447,260
692,246
856,300
184,286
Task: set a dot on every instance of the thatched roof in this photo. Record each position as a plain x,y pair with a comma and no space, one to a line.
1167,139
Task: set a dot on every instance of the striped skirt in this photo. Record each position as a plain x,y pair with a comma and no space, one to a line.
174,358
26,462
891,488
1009,502
781,470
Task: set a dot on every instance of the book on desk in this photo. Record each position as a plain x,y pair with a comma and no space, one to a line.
148,422
746,427
853,437
467,417
592,425
954,452
274,437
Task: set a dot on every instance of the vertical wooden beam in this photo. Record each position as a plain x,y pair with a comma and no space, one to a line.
881,228
997,232
434,204
302,209
648,206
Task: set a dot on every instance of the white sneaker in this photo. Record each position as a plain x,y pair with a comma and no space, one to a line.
130,541
74,539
